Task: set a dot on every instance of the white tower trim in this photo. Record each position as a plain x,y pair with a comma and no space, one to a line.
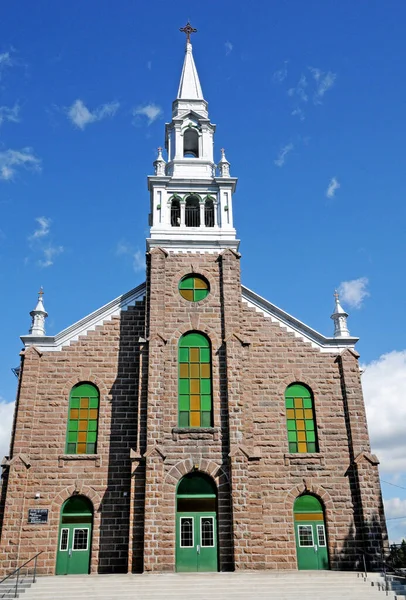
191,198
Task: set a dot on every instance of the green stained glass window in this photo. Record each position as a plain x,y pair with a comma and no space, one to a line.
193,288
300,420
195,393
81,437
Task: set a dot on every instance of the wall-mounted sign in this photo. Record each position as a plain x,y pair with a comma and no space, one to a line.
37,516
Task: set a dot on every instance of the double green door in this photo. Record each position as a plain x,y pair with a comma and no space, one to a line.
311,544
196,541
74,545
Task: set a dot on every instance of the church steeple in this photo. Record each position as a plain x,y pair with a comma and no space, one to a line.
191,197
189,86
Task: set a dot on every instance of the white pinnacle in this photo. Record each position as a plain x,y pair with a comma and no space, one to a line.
38,316
189,86
339,317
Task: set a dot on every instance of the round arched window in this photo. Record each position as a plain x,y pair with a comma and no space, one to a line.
194,288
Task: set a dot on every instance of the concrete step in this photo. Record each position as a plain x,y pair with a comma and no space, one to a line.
273,585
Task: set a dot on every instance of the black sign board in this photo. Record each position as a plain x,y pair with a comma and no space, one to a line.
37,516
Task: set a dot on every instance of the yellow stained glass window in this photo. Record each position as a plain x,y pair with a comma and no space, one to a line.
194,288
301,426
81,437
195,394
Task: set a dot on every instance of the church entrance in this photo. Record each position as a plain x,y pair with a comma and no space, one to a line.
310,531
75,537
196,524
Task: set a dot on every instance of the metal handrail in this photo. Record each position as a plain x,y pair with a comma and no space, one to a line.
34,577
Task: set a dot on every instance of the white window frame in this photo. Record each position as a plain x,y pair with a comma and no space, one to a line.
298,535
321,526
214,541
87,540
180,532
67,540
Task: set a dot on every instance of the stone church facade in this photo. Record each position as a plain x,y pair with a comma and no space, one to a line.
190,424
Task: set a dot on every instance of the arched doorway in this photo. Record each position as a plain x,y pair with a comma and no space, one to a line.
310,532
75,537
196,524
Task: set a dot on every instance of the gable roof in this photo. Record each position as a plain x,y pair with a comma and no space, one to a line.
114,308
88,323
299,329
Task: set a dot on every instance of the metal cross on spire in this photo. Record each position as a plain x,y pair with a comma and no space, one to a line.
188,29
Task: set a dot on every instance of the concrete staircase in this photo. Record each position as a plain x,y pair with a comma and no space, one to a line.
276,585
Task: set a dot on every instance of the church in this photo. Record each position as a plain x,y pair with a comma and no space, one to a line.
190,424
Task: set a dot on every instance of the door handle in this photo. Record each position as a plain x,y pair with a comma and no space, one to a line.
316,549
198,548
70,552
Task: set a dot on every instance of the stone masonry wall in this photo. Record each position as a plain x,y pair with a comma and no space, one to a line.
254,360
142,453
109,358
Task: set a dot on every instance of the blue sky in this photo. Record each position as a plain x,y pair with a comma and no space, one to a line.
309,101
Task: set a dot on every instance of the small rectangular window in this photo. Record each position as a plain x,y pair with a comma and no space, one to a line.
80,539
305,535
207,532
186,532
321,535
64,539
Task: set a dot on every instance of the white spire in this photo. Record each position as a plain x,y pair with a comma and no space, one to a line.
159,163
339,317
38,316
189,86
223,166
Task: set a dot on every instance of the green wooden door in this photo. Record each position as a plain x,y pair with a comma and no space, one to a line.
196,542
75,536
74,549
311,540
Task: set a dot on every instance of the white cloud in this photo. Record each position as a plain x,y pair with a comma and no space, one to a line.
324,82
395,508
300,89
9,114
333,186
151,111
280,161
138,257
50,252
81,116
298,112
39,241
138,261
6,421
280,75
6,61
384,384
43,229
354,292
229,47
11,160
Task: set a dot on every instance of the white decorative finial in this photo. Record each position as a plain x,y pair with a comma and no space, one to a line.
224,166
339,317
159,163
38,315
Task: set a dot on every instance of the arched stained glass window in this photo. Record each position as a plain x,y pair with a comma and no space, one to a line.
302,434
81,437
195,391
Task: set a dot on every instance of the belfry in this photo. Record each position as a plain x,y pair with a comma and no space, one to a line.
190,424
